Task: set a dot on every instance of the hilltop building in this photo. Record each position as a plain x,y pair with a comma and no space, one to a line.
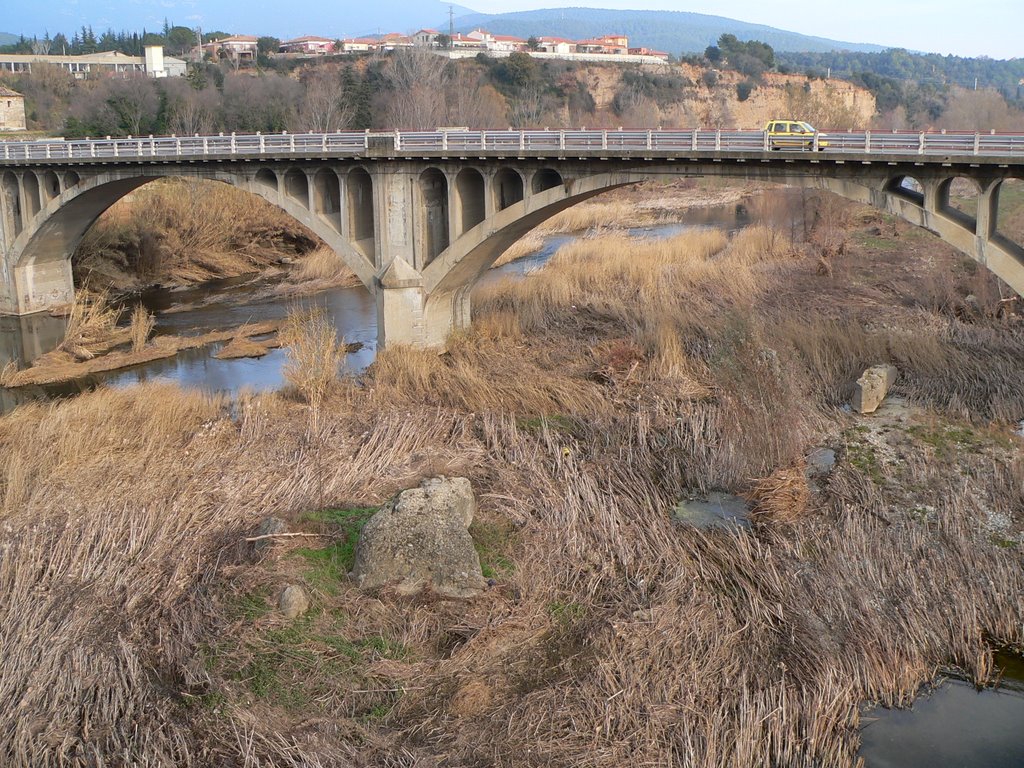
12,110
309,45
237,48
153,64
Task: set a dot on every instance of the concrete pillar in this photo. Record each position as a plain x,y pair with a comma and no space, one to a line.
408,315
42,285
394,202
988,209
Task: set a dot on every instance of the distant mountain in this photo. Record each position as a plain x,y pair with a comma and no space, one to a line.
7,39
672,31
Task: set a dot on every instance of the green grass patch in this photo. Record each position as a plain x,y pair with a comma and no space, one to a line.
492,541
876,242
249,606
329,566
555,422
862,457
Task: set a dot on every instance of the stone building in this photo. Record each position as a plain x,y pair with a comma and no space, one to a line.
12,110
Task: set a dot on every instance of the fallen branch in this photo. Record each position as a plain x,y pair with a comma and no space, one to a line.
284,536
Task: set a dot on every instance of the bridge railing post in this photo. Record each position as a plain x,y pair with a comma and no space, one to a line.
291,142
7,151
206,146
263,145
977,142
522,140
693,139
718,139
483,139
398,141
650,142
561,139
920,143
867,141
233,145
152,146
764,141
444,140
816,144
604,139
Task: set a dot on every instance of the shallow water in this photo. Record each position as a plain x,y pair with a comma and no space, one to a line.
952,725
231,302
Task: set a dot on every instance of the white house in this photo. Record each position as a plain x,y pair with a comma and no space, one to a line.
308,45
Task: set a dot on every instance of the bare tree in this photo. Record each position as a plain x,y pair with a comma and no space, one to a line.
472,104
984,110
41,47
527,107
190,111
417,78
325,106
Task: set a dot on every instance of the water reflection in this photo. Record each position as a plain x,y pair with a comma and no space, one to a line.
954,724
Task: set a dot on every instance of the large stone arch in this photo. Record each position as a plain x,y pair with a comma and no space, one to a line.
39,257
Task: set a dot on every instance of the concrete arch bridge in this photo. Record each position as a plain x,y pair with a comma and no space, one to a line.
420,216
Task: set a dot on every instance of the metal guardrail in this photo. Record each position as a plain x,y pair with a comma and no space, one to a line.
522,143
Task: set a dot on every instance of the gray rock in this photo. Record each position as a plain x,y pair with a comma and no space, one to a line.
269,527
820,462
872,387
420,540
293,601
713,510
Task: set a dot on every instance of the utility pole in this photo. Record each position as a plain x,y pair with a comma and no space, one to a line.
451,21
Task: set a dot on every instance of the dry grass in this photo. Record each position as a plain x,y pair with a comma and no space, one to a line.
92,326
323,264
142,324
137,629
179,231
315,355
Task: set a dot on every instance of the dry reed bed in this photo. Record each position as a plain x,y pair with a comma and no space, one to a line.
581,404
180,231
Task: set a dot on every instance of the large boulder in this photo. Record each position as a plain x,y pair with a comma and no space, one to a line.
420,540
872,387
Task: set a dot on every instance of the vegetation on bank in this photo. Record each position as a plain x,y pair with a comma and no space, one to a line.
140,626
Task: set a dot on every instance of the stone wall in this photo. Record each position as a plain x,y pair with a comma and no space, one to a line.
12,110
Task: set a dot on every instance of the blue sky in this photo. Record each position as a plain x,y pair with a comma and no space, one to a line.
992,28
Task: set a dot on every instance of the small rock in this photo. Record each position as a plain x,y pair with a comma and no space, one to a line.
420,540
820,462
872,387
293,601
269,527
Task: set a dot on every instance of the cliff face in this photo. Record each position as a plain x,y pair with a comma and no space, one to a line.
827,104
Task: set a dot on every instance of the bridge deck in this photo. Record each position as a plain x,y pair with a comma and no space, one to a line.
865,146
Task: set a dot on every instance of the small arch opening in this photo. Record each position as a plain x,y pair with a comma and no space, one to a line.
958,199
359,201
11,205
545,179
70,179
508,188
433,208
32,202
267,179
51,185
469,196
1007,214
296,186
328,197
906,187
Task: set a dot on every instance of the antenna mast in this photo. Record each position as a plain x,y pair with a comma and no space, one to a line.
451,20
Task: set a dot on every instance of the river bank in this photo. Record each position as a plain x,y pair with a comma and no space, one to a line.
582,404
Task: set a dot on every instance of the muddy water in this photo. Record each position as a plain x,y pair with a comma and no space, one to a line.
228,303
952,725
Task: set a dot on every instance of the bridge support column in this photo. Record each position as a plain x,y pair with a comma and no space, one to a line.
408,315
